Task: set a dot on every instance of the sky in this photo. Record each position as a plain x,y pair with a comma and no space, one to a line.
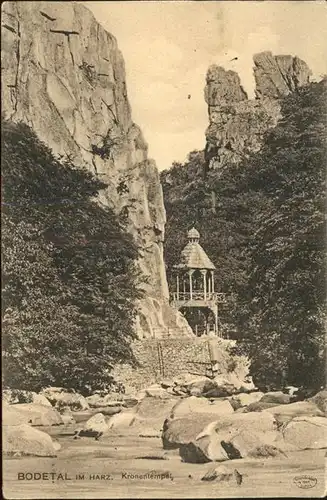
168,47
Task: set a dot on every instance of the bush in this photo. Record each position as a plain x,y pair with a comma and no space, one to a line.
70,281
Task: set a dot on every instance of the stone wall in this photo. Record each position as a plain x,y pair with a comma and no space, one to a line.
167,358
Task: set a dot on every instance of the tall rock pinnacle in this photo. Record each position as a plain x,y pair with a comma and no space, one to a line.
236,123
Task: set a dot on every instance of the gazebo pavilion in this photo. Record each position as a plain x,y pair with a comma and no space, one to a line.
195,283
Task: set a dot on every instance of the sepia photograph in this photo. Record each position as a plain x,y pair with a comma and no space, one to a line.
164,249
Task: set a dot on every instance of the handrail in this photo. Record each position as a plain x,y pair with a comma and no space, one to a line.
171,331
186,296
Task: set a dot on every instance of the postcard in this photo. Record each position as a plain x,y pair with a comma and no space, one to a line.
163,256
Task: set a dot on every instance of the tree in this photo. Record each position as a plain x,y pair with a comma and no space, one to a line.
285,291
262,224
70,281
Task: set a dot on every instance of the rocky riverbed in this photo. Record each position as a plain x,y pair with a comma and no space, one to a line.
160,444
108,468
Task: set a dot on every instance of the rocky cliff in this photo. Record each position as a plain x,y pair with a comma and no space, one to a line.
64,75
236,123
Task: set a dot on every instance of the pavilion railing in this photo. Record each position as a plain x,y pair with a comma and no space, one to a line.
198,295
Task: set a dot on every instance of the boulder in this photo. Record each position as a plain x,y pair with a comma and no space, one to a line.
68,419
220,473
109,400
30,413
15,396
245,399
258,406
227,385
25,440
232,437
130,402
241,409
155,408
198,386
98,401
67,416
286,412
320,399
108,410
146,432
278,398
166,383
12,416
40,399
156,391
185,379
60,397
179,431
94,400
202,386
148,415
291,390
268,450
193,405
56,444
177,390
202,451
251,443
95,425
306,433
152,412
220,386
121,420
82,416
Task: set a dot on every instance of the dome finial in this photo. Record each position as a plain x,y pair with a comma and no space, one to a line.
193,235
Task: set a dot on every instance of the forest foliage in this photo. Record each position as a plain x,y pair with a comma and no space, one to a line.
70,280
262,223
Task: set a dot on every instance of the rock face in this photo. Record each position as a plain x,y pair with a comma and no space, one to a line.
236,123
277,76
64,75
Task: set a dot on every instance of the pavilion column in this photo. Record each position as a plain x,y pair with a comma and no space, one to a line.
216,321
177,286
212,281
204,274
191,285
